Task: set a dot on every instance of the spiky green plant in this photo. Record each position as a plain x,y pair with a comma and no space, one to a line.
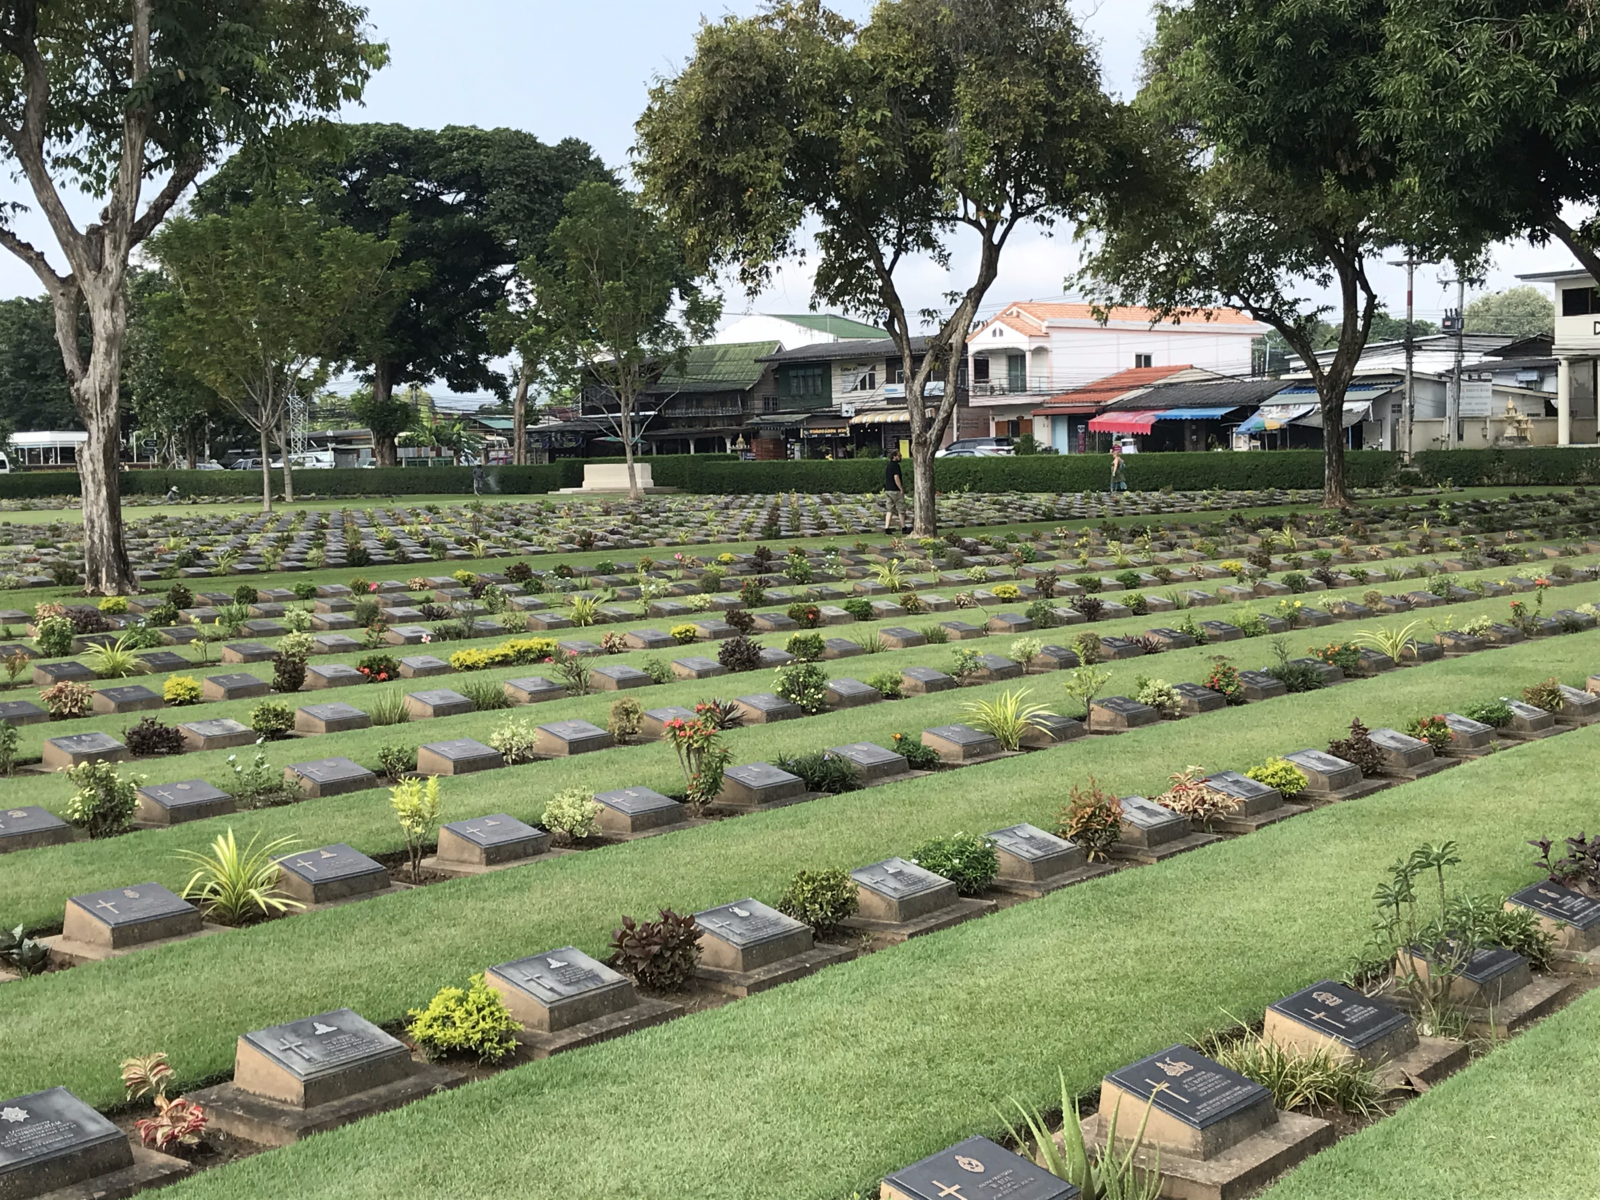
116,661
1111,1176
236,886
1392,642
1006,718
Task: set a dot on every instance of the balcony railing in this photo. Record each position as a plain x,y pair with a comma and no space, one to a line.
1031,385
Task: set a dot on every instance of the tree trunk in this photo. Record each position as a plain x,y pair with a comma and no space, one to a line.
266,472
383,444
107,571
288,471
1334,494
924,509
626,425
519,419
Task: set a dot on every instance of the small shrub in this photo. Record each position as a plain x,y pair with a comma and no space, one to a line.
964,663
397,759
684,634
1490,712
1433,730
626,719
471,1022
888,683
739,654
379,668
1043,614
1300,1078
150,738
26,955
1344,655
821,899
179,691
858,608
803,684
1359,749
418,808
1090,606
660,954
1092,819
1282,774
67,701
234,886
8,749
1091,651
54,636
1006,718
918,757
821,771
179,1125
572,814
659,670
272,720
1026,649
807,647
486,695
1545,694
937,635
514,738
1224,680
1196,799
104,803
288,673
967,860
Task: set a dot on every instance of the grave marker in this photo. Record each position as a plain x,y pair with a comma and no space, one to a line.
70,751
559,739
960,743
763,708
635,810
51,1141
219,733
232,687
872,762
534,689
330,718
1334,1017
329,777
118,918
753,785
459,756
1113,714
560,989
319,1060
483,842
175,803
29,826
437,702
329,873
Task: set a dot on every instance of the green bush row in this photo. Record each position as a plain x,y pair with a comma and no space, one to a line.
1511,468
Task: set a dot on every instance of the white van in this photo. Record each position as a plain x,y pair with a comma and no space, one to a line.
315,460
5,464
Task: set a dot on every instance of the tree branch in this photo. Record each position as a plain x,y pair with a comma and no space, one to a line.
182,176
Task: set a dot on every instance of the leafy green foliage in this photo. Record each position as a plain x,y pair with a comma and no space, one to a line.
470,1022
821,771
272,720
803,684
418,808
968,860
821,899
236,886
104,803
149,737
1282,774
572,814
1093,819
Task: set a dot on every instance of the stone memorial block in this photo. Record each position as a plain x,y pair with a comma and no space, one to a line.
532,690
835,648
1200,1108
897,891
1197,699
74,749
330,718
648,639
1349,610
775,623
330,873
51,1141
562,738
334,643
1454,642
1488,977
488,842
333,675
1055,658
961,631
832,614
960,743
635,810
218,733
772,657
654,724
992,668
233,687
747,936
850,693
1258,685
1147,825
1051,729
1403,755
1572,618
1325,774
1571,917
267,609
247,652
1577,708
437,702
164,660
1170,639
976,1169
407,635
329,591
49,674
1314,618
755,784
546,622
693,667
922,681
459,756
1117,648
1466,735
1254,798
330,1057
127,698
422,666
763,708
1008,623
559,989
1337,1018
118,918
580,646
332,623
1373,661
714,630
871,761
1503,635
1221,631
15,649
1529,721
329,777
1115,713
174,803
1028,854
29,826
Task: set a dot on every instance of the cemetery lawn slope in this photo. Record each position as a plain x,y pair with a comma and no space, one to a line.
1517,1125
819,1088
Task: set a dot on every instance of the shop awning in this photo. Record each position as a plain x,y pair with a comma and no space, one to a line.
1195,414
1124,422
890,416
1274,416
1355,411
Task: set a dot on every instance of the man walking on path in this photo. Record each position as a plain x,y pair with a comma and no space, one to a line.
477,480
1119,478
894,494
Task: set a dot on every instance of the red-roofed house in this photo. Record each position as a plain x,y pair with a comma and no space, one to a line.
1062,421
1033,351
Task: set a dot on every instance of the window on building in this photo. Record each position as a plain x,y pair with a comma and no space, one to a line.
980,368
859,379
800,382
1016,373
1144,360
893,372
1580,302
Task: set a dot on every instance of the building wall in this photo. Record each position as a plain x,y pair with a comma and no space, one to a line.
1072,354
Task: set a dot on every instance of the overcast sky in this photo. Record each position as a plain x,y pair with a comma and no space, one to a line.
583,70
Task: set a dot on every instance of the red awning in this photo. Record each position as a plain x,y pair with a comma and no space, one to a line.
1124,422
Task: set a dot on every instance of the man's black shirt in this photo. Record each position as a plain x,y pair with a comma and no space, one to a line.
892,481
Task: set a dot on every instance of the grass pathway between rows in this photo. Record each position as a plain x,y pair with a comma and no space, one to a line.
383,956
820,1088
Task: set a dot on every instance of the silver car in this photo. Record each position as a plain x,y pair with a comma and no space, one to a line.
983,447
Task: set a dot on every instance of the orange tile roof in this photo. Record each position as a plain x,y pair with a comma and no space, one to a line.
1119,384
1030,317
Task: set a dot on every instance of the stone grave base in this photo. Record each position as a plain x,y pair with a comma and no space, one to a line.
969,762
639,1016
273,1123
905,775
1575,962
1532,735
1354,792
1466,755
1516,1012
458,869
610,838
1431,1060
1238,1171
741,809
1034,888
1423,770
746,983
892,933
1146,855
387,890
1243,823
69,952
150,1169
1574,722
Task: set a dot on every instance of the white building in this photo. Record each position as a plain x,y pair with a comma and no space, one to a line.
1577,350
1034,350
802,329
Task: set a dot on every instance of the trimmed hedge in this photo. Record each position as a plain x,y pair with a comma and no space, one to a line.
1511,468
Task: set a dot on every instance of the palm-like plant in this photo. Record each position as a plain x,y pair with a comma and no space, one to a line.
1393,642
892,575
1006,718
116,661
1110,1175
584,610
237,886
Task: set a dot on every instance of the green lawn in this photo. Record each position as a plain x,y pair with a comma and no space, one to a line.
819,1088
1517,1125
383,956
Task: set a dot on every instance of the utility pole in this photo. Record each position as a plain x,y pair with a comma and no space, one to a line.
1408,406
1455,321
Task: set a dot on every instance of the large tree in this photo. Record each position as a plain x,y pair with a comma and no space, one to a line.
34,390
467,205
615,305
1497,105
102,95
261,298
170,406
1517,312
938,124
1261,188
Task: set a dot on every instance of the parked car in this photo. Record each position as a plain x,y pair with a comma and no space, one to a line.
982,447
246,464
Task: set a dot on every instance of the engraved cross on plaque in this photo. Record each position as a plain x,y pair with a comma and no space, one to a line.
293,1046
950,1189
108,906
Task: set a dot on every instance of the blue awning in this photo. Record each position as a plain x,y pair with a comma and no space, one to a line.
1194,414
1274,416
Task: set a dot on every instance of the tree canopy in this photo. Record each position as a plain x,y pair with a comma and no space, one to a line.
937,121
32,378
1517,312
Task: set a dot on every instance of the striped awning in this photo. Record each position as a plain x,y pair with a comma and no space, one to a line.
1124,422
887,416
1274,416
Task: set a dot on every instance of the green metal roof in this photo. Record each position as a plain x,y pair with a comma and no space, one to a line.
719,367
842,327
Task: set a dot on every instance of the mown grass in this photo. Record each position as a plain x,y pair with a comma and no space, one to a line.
818,1089
1517,1125
383,956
